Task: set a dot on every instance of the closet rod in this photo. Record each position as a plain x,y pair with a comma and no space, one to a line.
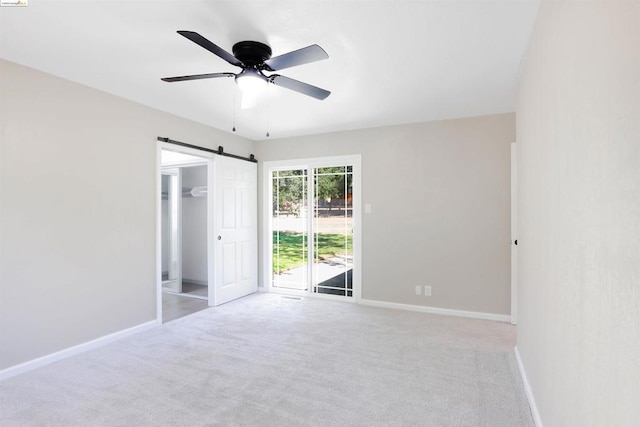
220,151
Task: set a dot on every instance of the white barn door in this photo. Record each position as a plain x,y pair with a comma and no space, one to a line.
234,265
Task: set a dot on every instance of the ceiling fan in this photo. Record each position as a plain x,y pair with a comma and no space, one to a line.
254,58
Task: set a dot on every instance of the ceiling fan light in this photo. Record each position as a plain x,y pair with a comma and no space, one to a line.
251,82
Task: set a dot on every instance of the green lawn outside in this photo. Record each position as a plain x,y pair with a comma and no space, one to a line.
293,248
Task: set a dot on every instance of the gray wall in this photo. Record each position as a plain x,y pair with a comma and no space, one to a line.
440,194
78,195
578,123
78,213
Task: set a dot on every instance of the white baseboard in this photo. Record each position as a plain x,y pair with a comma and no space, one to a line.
71,351
528,390
437,310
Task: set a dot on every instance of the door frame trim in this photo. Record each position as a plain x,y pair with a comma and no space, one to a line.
514,233
267,168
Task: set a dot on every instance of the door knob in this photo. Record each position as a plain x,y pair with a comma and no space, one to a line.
219,237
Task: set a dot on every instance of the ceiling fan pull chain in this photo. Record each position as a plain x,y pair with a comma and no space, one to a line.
233,106
268,109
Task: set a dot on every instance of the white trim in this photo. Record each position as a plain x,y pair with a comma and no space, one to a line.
211,231
514,233
527,388
357,227
185,163
158,234
72,351
437,310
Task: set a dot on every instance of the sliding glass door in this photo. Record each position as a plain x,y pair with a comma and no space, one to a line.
333,230
312,229
290,229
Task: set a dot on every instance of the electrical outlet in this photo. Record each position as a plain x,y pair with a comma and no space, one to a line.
418,290
427,290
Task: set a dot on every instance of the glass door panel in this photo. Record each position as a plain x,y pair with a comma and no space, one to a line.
333,231
290,225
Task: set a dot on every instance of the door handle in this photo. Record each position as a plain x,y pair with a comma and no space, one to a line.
516,242
220,238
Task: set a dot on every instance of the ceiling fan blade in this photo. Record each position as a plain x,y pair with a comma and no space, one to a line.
298,86
198,39
196,77
305,55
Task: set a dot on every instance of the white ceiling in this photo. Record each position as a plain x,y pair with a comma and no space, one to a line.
390,62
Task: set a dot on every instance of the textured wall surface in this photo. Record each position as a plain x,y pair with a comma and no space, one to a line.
78,213
578,125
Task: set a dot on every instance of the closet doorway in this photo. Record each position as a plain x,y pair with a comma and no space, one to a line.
183,218
208,238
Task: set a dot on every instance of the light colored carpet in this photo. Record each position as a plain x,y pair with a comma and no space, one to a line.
267,360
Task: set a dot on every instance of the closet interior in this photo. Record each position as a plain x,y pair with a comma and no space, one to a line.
184,234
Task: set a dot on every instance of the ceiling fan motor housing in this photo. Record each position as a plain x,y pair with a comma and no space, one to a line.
251,53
